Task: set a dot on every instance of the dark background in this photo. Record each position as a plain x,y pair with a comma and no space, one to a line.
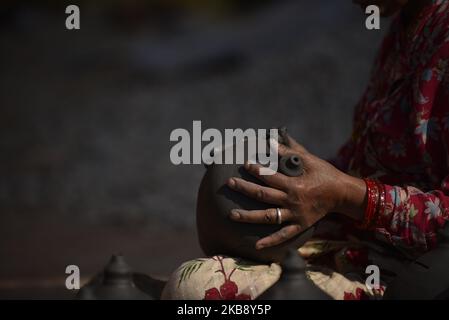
86,115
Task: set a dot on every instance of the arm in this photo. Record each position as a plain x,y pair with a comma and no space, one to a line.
406,215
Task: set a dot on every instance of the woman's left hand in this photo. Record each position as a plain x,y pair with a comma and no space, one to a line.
302,200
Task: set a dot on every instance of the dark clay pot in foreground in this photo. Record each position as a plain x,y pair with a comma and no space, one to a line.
118,282
220,235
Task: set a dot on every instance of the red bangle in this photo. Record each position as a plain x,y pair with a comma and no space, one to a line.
381,205
373,196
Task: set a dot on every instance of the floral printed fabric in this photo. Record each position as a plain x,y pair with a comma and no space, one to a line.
338,268
225,278
220,278
401,130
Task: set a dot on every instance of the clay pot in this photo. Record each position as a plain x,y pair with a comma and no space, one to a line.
116,282
294,283
220,235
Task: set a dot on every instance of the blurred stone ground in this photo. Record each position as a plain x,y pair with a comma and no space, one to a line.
85,119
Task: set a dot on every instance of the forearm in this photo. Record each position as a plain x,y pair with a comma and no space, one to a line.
407,214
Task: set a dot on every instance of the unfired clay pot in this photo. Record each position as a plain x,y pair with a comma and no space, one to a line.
220,235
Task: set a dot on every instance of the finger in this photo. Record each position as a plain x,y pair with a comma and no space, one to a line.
258,192
276,180
294,145
268,216
285,234
281,148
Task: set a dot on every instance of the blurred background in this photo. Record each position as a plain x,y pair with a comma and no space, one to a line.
86,115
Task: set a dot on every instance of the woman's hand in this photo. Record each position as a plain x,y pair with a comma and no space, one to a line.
302,200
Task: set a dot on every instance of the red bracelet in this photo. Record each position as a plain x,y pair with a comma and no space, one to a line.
381,205
373,195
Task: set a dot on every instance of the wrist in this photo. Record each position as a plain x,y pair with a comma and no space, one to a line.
352,197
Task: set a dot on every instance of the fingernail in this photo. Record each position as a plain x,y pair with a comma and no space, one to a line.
259,246
235,214
231,183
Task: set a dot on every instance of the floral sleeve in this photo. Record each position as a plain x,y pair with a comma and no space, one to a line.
411,218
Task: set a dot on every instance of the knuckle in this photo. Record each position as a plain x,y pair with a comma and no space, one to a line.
299,187
268,216
260,194
283,234
297,192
